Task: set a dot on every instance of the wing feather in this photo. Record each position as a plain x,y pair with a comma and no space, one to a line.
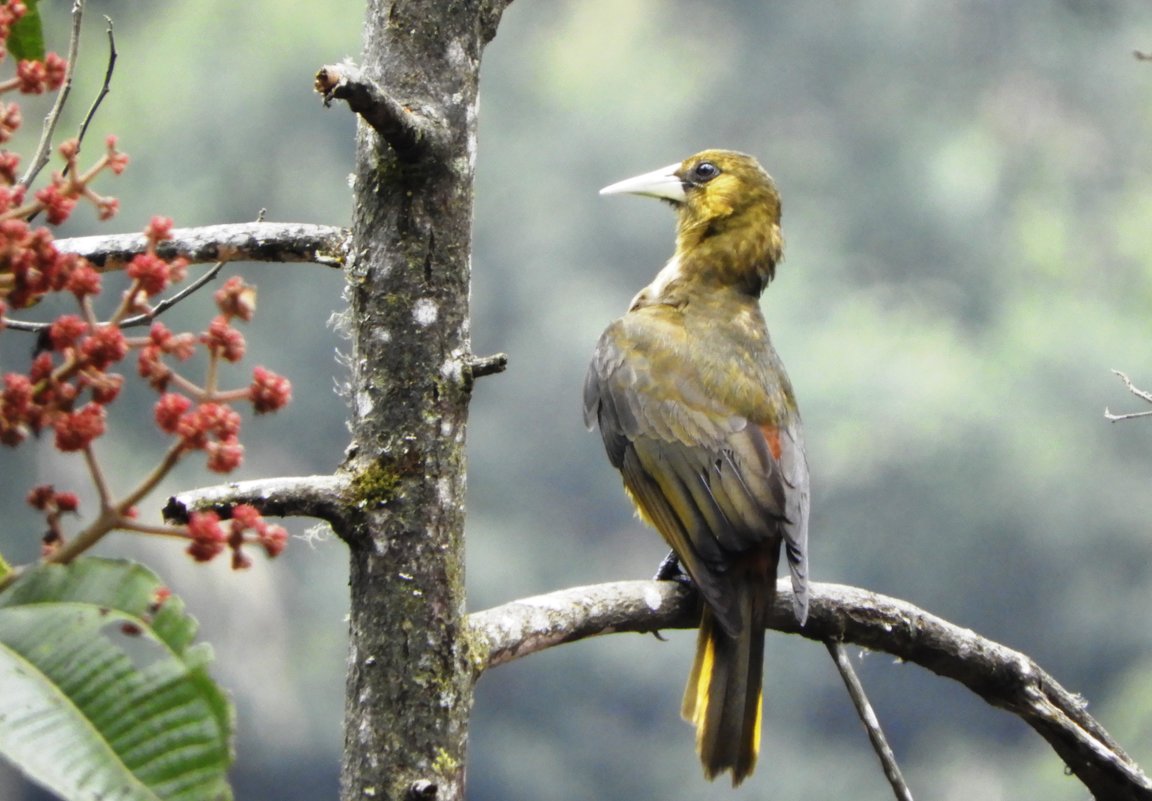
715,482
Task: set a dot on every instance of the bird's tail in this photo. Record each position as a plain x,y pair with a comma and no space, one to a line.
723,696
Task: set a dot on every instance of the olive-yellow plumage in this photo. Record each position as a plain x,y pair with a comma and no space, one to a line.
697,413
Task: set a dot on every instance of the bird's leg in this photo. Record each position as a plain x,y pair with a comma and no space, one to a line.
670,569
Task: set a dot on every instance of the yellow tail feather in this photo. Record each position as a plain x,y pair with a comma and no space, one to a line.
723,698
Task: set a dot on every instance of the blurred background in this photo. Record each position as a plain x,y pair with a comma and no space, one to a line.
968,213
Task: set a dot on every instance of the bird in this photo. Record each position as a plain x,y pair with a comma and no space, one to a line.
698,415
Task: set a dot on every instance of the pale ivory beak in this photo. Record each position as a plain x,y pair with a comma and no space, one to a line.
663,183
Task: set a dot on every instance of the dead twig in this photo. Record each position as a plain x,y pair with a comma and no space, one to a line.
1139,393
869,719
105,88
44,148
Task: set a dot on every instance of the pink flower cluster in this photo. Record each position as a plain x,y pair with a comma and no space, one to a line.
69,383
210,536
72,377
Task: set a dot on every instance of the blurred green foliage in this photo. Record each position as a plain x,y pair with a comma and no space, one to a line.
968,209
26,38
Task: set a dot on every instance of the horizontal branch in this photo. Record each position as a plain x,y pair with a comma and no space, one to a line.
533,624
290,496
411,132
254,241
1000,675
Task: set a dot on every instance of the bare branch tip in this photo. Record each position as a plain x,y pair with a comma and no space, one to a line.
411,131
327,79
175,511
488,365
1142,394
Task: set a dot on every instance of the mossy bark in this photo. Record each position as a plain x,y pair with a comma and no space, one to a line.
410,674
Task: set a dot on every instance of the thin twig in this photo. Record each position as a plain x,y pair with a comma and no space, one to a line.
1139,393
23,325
1108,415
44,148
868,717
97,476
104,89
111,516
136,320
171,457
168,303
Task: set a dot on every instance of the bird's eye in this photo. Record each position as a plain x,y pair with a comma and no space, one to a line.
705,171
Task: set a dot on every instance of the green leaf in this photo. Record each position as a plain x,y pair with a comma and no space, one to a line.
26,39
102,694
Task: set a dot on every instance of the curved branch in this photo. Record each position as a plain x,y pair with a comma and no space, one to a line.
254,241
289,496
533,624
1000,675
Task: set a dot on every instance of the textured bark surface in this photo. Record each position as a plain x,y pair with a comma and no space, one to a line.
410,676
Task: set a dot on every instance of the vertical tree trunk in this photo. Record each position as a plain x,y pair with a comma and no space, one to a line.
410,677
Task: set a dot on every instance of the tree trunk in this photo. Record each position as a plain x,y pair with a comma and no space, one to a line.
410,674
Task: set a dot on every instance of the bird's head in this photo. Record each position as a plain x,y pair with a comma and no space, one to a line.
727,206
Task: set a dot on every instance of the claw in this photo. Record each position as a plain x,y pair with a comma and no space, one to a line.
671,570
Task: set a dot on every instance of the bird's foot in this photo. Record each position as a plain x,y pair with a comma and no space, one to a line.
670,569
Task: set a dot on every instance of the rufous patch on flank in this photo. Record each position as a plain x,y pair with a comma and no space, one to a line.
772,437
